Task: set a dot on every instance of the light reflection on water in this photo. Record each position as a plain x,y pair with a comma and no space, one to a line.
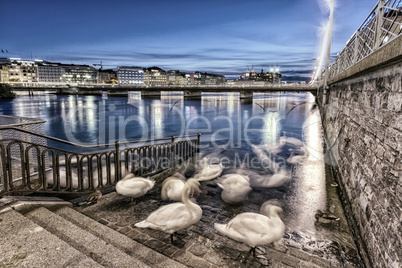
223,120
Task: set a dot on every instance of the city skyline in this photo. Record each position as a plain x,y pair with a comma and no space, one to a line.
215,36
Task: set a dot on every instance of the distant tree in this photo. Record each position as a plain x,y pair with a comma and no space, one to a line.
6,91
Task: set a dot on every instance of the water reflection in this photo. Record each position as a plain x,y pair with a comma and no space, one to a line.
283,127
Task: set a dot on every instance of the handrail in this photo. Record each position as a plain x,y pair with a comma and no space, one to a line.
27,166
92,146
381,26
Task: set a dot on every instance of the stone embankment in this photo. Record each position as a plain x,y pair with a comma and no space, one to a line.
362,117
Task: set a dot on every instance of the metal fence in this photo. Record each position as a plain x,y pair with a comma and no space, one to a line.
383,24
28,166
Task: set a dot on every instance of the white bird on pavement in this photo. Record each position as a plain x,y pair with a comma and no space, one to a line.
134,187
176,216
255,229
172,187
235,188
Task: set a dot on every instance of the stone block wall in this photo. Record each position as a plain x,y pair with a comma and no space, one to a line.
362,117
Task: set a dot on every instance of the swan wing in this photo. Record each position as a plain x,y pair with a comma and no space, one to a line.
253,230
246,223
134,188
170,218
172,189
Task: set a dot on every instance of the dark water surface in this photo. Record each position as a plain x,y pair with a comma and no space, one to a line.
285,128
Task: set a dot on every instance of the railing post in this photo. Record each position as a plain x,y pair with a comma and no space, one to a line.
198,142
173,154
117,162
379,21
356,47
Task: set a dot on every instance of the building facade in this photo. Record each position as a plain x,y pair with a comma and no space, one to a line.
80,74
271,77
155,76
130,76
107,77
18,71
50,73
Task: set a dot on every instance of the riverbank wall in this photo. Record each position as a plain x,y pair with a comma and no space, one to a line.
362,119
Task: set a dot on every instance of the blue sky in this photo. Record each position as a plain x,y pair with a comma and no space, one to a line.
217,36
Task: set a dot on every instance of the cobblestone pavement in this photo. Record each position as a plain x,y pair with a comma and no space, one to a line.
202,246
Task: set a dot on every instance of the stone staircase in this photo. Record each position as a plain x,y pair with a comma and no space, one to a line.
48,232
35,234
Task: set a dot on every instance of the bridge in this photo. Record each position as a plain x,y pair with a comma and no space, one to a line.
360,97
194,91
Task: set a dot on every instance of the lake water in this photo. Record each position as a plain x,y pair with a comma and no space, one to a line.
270,133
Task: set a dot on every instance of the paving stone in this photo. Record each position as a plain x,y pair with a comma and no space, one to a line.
299,254
320,262
138,236
214,258
281,257
198,249
125,230
182,256
198,263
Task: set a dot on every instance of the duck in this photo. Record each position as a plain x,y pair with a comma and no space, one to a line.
92,198
176,216
235,188
172,187
134,187
208,171
255,229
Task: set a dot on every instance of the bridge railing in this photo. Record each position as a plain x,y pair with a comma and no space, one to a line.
37,86
28,166
382,25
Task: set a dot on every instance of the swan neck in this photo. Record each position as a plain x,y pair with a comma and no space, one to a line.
185,197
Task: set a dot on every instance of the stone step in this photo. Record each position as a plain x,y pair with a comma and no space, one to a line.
23,243
94,247
120,241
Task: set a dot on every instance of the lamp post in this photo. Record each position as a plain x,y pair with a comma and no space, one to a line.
331,5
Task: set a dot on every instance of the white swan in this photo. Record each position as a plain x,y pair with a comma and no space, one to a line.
266,181
266,160
134,187
172,187
301,155
173,217
255,229
208,171
235,188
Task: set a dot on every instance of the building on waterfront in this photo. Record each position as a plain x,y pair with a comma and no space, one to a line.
176,78
4,62
130,75
108,76
212,79
155,76
18,71
49,72
254,78
79,74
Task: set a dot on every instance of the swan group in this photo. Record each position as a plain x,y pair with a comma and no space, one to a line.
176,216
134,187
255,229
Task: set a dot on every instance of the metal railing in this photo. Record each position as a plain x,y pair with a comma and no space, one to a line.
382,25
27,166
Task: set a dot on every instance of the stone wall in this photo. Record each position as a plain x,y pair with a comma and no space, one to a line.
363,122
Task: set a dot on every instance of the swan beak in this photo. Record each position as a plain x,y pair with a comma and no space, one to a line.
196,192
